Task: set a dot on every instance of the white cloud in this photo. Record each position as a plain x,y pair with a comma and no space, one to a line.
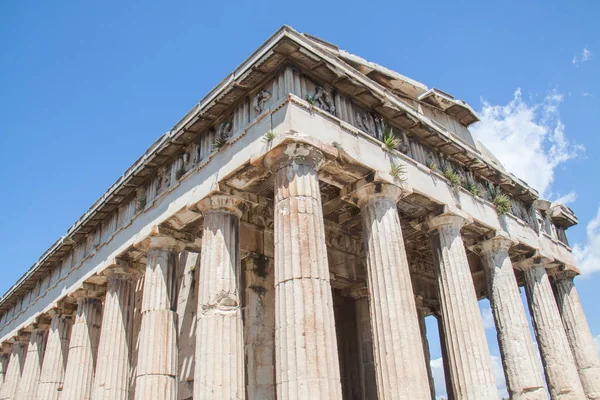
437,370
583,57
587,256
488,318
597,342
566,199
528,139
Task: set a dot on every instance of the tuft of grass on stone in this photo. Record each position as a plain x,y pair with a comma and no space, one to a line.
473,189
398,172
502,204
452,176
310,99
389,139
269,136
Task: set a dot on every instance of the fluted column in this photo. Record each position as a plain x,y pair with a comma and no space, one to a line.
4,357
468,354
445,363
15,367
368,378
219,370
399,360
112,379
57,350
422,312
30,377
578,333
521,366
559,365
83,346
307,363
157,358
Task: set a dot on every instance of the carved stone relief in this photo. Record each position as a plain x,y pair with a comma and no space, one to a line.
261,99
324,99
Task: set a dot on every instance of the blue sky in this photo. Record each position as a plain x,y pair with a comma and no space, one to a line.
86,87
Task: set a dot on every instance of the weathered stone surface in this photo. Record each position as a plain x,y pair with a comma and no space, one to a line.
189,267
30,376
219,370
368,376
468,354
399,360
579,335
306,356
259,327
157,355
422,313
559,366
83,349
112,379
55,359
15,369
521,366
4,358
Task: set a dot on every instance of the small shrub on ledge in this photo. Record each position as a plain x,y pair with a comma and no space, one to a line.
502,204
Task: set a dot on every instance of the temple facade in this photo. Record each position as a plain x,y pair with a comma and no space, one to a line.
287,238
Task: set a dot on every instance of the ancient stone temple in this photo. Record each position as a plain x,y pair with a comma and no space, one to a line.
286,240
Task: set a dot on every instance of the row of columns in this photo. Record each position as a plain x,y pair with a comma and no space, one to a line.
90,357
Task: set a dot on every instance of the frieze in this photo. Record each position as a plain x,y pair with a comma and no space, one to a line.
261,99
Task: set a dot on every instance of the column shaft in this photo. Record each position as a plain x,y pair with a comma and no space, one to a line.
468,354
3,366
521,366
157,357
14,370
307,363
219,370
112,381
422,312
561,372
579,336
30,377
400,363
365,349
83,348
55,360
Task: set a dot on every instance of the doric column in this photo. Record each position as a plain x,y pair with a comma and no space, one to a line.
4,357
444,350
83,346
578,333
368,378
30,376
157,358
219,370
468,354
422,312
15,367
112,379
561,372
399,360
307,363
57,350
521,366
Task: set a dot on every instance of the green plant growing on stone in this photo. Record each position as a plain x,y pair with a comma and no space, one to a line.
310,99
398,172
432,166
473,189
269,136
389,138
502,203
452,176
219,142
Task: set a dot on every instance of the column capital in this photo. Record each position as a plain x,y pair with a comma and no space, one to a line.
61,309
6,348
122,269
533,261
88,291
219,201
500,241
563,274
359,291
294,152
449,217
164,238
41,323
375,186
